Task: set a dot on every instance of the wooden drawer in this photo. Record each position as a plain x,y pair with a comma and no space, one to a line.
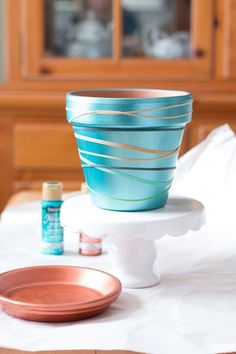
44,146
45,151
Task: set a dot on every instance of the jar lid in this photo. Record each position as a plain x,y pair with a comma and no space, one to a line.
52,190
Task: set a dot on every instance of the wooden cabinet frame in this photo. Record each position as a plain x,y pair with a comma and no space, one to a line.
34,65
226,40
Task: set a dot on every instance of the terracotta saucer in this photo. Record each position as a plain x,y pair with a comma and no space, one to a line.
57,293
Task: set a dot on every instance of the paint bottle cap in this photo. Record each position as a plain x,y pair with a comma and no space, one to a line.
52,190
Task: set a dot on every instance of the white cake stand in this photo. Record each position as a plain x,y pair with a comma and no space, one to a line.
131,234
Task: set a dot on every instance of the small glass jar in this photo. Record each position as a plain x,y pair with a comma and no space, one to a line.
89,246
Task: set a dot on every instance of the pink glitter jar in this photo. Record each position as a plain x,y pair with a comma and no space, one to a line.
89,246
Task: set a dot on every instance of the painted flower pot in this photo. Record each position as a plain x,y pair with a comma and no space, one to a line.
128,141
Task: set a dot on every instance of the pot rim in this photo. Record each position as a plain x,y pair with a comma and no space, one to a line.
127,94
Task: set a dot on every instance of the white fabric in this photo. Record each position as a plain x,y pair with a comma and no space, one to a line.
192,310
208,172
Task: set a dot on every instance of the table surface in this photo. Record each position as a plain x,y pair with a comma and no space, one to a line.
29,196
25,197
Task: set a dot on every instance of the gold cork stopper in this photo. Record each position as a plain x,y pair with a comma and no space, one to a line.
52,190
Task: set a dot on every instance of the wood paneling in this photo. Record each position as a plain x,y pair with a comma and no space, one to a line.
32,28
45,147
202,35
231,49
6,174
13,38
44,151
226,39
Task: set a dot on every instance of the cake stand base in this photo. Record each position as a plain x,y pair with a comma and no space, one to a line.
131,235
133,261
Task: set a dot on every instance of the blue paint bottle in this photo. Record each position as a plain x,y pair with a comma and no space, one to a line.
52,231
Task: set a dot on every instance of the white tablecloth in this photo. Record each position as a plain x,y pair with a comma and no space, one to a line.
192,310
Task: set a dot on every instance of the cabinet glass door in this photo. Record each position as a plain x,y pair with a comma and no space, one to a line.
138,41
78,28
156,29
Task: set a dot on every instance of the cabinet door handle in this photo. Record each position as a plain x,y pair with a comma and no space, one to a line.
198,53
44,70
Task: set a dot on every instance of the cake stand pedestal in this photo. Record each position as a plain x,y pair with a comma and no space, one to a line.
131,235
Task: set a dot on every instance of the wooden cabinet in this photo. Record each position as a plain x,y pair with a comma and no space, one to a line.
192,47
226,40
36,143
41,58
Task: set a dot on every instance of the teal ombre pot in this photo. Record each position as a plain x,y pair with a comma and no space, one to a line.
128,141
